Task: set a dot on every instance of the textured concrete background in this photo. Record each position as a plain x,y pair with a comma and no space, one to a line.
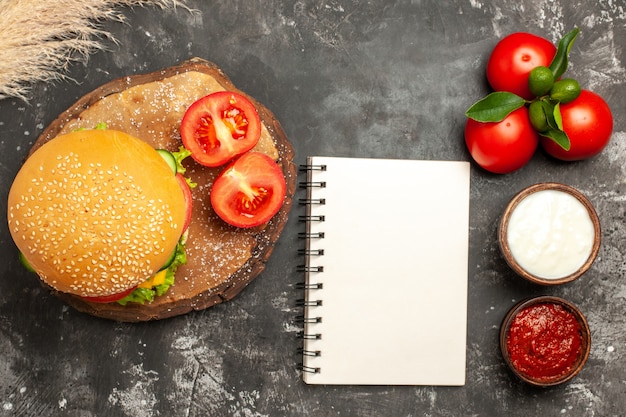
349,78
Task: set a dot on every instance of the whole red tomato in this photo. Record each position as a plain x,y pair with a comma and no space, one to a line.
588,123
502,147
513,58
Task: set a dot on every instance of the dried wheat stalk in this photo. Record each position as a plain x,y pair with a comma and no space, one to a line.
40,38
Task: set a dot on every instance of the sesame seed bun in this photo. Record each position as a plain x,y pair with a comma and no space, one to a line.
221,259
95,212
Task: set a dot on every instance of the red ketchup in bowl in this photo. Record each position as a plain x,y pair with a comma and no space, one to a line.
544,341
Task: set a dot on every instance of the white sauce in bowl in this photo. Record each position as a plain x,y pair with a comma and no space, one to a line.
550,234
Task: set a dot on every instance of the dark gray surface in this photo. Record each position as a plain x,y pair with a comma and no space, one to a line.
346,78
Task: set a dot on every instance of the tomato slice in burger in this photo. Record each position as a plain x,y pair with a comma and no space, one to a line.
110,298
220,126
250,191
188,200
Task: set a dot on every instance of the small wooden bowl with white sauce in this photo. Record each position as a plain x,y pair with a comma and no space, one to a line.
550,233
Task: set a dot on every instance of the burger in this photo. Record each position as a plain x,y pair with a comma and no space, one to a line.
99,214
119,223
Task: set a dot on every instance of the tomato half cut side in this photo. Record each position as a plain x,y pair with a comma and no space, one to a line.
188,200
109,298
250,191
219,127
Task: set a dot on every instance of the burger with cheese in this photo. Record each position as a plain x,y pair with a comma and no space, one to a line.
98,214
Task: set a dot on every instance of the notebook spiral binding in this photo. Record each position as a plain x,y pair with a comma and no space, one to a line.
309,352
308,167
311,300
305,286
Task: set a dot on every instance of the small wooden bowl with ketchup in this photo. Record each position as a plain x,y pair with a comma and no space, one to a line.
549,233
545,340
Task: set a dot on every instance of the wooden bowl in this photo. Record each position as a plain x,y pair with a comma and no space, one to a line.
581,264
559,311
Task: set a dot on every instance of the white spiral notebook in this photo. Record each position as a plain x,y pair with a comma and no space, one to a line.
385,268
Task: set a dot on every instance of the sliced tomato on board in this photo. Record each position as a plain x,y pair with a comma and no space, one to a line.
219,127
250,191
110,298
188,200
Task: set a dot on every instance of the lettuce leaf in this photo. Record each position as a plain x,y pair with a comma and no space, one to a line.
147,295
179,157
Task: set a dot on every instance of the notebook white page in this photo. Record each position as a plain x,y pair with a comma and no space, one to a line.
395,256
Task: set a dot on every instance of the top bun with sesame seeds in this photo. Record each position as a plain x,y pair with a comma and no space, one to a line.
221,260
96,212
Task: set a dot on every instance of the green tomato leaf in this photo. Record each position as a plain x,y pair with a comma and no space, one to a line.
557,116
552,111
548,110
560,61
495,107
559,137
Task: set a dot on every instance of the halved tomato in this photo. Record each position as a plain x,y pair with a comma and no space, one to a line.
188,199
110,298
250,191
219,127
